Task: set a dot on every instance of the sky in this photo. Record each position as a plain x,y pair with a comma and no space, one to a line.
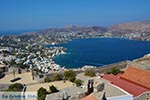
42,14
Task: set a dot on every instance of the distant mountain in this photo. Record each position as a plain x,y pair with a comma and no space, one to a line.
132,30
77,29
141,27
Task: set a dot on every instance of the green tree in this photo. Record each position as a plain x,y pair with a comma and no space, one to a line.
78,82
72,78
70,75
89,73
42,92
115,71
15,87
53,89
57,77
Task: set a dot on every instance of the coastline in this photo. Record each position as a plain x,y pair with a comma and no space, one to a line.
94,63
66,42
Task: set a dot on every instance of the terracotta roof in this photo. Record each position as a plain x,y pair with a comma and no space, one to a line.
128,86
137,76
89,97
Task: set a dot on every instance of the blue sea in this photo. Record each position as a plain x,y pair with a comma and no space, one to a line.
14,32
101,51
10,33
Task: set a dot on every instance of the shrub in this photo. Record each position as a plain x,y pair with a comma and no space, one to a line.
114,71
72,79
57,77
108,72
70,75
53,89
78,82
42,92
47,79
15,87
89,73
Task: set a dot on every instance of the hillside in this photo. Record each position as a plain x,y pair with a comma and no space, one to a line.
77,29
133,30
140,27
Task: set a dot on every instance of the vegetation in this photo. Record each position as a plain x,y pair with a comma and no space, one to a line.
78,82
89,73
57,77
47,79
42,92
114,71
70,75
72,78
53,89
15,87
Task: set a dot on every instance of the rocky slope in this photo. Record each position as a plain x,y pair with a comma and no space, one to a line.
140,27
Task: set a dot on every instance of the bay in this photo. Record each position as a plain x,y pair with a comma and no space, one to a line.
100,51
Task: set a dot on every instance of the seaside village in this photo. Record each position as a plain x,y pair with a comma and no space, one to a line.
126,80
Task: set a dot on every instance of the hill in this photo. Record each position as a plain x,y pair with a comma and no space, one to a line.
140,27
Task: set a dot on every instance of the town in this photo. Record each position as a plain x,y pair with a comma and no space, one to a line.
110,82
27,66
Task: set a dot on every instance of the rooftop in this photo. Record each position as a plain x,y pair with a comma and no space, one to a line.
110,90
128,86
137,76
72,92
